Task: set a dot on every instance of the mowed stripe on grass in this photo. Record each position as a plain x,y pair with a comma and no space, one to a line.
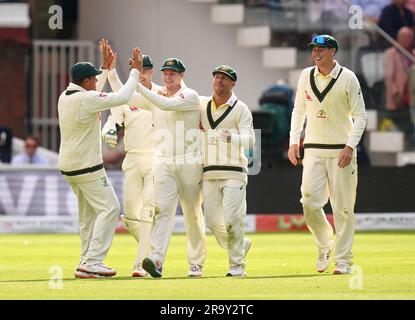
280,266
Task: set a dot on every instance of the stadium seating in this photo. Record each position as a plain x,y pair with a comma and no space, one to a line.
281,30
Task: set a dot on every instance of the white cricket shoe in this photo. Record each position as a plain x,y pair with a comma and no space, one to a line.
79,266
139,272
236,271
342,268
86,275
195,270
98,268
247,245
323,260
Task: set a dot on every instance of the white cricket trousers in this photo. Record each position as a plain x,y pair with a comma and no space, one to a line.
324,179
173,182
99,210
224,204
139,199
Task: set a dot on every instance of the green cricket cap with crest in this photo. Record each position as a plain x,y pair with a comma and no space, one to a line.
173,64
229,71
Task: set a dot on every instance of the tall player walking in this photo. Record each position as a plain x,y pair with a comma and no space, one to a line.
330,98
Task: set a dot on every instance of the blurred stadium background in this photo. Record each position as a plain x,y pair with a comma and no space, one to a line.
265,41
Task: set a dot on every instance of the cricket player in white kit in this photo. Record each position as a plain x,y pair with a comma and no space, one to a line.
139,205
178,165
81,164
329,97
228,131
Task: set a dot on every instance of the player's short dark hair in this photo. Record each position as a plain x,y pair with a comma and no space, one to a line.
78,82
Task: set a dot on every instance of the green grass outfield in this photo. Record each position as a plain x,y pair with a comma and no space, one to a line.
280,266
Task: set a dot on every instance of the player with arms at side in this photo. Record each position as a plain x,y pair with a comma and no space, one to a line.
329,96
228,131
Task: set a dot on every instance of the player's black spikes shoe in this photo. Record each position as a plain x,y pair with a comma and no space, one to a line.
154,268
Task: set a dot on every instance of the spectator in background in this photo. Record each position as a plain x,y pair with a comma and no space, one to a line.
371,8
328,11
410,4
6,137
397,68
30,154
395,16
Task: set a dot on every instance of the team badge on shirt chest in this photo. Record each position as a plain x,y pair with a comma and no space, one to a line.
321,114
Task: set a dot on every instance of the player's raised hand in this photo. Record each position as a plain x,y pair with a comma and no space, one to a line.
113,62
110,56
137,60
294,154
102,45
107,55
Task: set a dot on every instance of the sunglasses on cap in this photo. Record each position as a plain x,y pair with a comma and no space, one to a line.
319,40
324,41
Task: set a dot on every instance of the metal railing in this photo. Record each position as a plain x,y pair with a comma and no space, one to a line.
51,65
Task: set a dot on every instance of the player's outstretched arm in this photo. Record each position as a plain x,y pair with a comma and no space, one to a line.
188,100
136,99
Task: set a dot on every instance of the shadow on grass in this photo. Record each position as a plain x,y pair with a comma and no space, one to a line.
285,276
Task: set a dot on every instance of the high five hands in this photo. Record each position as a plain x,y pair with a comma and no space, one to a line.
136,62
109,58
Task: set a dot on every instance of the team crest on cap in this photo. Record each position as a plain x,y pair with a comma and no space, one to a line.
170,63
